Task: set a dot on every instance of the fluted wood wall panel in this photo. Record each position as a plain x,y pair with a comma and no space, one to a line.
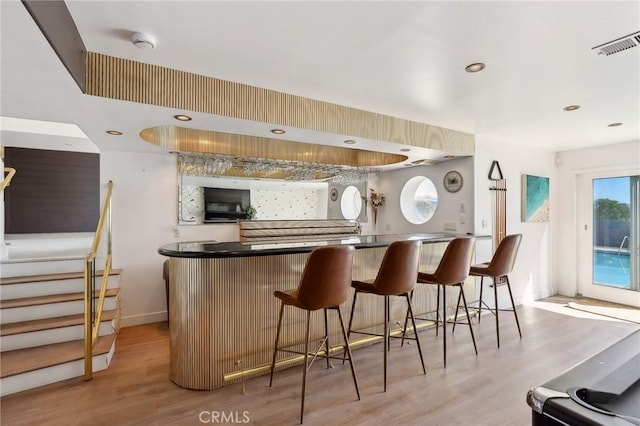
128,80
223,310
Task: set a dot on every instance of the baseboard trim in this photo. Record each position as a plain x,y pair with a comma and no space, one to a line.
132,320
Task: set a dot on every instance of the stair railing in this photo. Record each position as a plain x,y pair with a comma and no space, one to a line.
10,171
91,319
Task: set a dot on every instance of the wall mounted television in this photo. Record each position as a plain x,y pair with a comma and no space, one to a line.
223,205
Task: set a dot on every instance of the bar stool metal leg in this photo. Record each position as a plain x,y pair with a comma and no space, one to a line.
466,309
444,324
386,338
455,316
347,351
480,302
353,309
437,310
495,298
513,306
406,322
413,322
304,366
326,338
275,346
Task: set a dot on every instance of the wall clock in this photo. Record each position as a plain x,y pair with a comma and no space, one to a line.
453,181
334,194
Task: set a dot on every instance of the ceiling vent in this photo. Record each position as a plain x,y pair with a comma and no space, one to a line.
618,45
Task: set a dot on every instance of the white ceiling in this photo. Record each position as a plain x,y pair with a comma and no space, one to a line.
404,59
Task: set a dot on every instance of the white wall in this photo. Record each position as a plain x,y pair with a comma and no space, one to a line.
144,218
566,225
390,218
531,277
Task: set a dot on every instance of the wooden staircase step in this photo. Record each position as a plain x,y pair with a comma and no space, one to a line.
30,359
52,277
49,323
54,298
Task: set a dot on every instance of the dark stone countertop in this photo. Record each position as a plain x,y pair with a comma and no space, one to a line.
210,249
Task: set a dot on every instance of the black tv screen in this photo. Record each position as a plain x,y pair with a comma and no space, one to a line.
225,204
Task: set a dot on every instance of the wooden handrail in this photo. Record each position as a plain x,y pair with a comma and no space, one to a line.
91,320
7,178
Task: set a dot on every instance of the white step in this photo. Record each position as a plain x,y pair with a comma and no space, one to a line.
55,373
49,337
50,310
41,266
43,288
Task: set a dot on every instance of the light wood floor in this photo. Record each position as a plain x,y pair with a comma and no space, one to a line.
489,389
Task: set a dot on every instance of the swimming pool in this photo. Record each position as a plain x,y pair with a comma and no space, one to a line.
611,268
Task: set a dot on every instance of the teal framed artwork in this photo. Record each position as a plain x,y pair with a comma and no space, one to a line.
535,199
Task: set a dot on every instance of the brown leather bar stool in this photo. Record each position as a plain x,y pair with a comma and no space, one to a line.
452,271
324,285
396,277
498,269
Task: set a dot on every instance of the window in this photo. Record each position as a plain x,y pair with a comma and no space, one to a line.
418,200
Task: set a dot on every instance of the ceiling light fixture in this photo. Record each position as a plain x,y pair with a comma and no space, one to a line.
614,124
449,157
350,142
477,67
571,107
278,131
174,152
405,150
182,117
143,41
114,132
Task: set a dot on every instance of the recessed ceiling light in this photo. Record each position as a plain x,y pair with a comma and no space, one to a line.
405,150
349,141
114,132
614,124
571,107
278,131
68,144
477,67
449,157
174,152
182,117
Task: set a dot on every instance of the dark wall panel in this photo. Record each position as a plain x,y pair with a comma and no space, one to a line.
52,191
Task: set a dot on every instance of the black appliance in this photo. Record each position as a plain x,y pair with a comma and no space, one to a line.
225,204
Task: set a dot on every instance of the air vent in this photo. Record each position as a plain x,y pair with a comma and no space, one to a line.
618,45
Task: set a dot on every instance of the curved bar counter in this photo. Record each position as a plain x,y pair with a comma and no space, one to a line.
224,315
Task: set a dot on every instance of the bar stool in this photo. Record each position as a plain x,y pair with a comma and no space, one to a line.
452,271
396,277
324,285
499,269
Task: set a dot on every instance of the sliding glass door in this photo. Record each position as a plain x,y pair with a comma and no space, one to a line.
613,232
610,257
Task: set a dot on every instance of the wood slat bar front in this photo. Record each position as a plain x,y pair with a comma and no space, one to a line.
224,315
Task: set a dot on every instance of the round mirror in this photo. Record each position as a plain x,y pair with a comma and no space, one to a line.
418,200
351,202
